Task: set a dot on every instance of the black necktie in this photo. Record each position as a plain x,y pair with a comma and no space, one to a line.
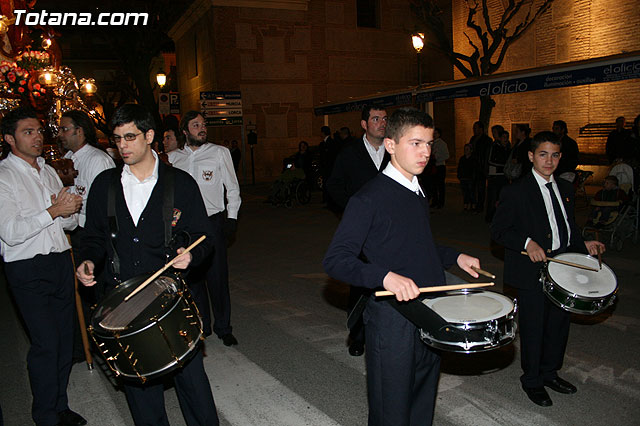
557,211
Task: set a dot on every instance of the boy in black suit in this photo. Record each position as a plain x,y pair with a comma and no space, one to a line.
388,222
536,214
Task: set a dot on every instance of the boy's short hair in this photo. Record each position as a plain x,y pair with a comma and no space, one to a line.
133,113
10,120
403,118
542,137
613,179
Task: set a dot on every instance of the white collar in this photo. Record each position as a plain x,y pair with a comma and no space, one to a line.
395,174
154,176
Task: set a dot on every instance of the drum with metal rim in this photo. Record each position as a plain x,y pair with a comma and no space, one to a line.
577,290
484,320
153,333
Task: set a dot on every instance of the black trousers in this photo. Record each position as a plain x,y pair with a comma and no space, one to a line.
439,186
494,186
480,183
212,277
43,290
544,331
146,401
402,372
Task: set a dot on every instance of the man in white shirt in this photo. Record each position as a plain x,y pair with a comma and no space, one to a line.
35,211
212,168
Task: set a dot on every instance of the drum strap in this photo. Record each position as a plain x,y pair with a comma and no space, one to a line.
425,318
168,183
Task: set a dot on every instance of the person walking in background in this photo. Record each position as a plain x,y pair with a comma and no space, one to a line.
498,154
480,143
570,152
466,171
441,153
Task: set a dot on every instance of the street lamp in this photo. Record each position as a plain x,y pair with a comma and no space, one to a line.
161,79
418,43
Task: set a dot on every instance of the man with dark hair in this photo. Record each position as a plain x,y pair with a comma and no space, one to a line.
388,222
170,141
359,162
138,247
570,152
497,158
78,135
212,168
536,214
616,146
35,211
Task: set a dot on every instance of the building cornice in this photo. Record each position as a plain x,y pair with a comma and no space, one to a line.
189,18
265,4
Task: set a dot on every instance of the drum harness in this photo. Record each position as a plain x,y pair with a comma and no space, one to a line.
415,311
168,184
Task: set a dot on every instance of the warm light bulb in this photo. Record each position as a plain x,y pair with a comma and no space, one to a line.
418,41
46,43
161,79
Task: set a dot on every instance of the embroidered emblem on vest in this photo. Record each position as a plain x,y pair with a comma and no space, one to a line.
176,217
207,175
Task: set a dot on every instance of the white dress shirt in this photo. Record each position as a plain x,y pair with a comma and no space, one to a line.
211,166
137,192
89,161
546,196
395,174
376,156
26,227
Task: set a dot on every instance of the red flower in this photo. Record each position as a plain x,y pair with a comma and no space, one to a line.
22,82
36,86
11,77
21,89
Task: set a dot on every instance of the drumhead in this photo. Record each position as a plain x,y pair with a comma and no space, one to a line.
471,307
154,301
580,281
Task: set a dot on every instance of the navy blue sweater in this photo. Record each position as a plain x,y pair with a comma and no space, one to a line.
389,224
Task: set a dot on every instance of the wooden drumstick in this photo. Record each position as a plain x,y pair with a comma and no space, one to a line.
483,272
439,288
564,262
164,268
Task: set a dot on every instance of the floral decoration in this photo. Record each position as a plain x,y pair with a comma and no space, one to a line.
13,79
33,60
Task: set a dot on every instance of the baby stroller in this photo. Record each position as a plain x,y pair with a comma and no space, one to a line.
622,225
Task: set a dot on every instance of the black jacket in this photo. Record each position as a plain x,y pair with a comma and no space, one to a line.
141,248
352,169
521,214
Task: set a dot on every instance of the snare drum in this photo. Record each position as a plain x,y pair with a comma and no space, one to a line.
153,333
578,290
483,320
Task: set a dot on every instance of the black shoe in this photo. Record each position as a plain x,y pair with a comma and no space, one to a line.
356,348
539,396
229,340
560,385
70,418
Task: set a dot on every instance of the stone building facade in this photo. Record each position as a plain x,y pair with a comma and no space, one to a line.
570,30
287,56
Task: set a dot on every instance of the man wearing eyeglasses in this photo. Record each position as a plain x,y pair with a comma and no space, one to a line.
138,247
35,211
212,168
359,162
